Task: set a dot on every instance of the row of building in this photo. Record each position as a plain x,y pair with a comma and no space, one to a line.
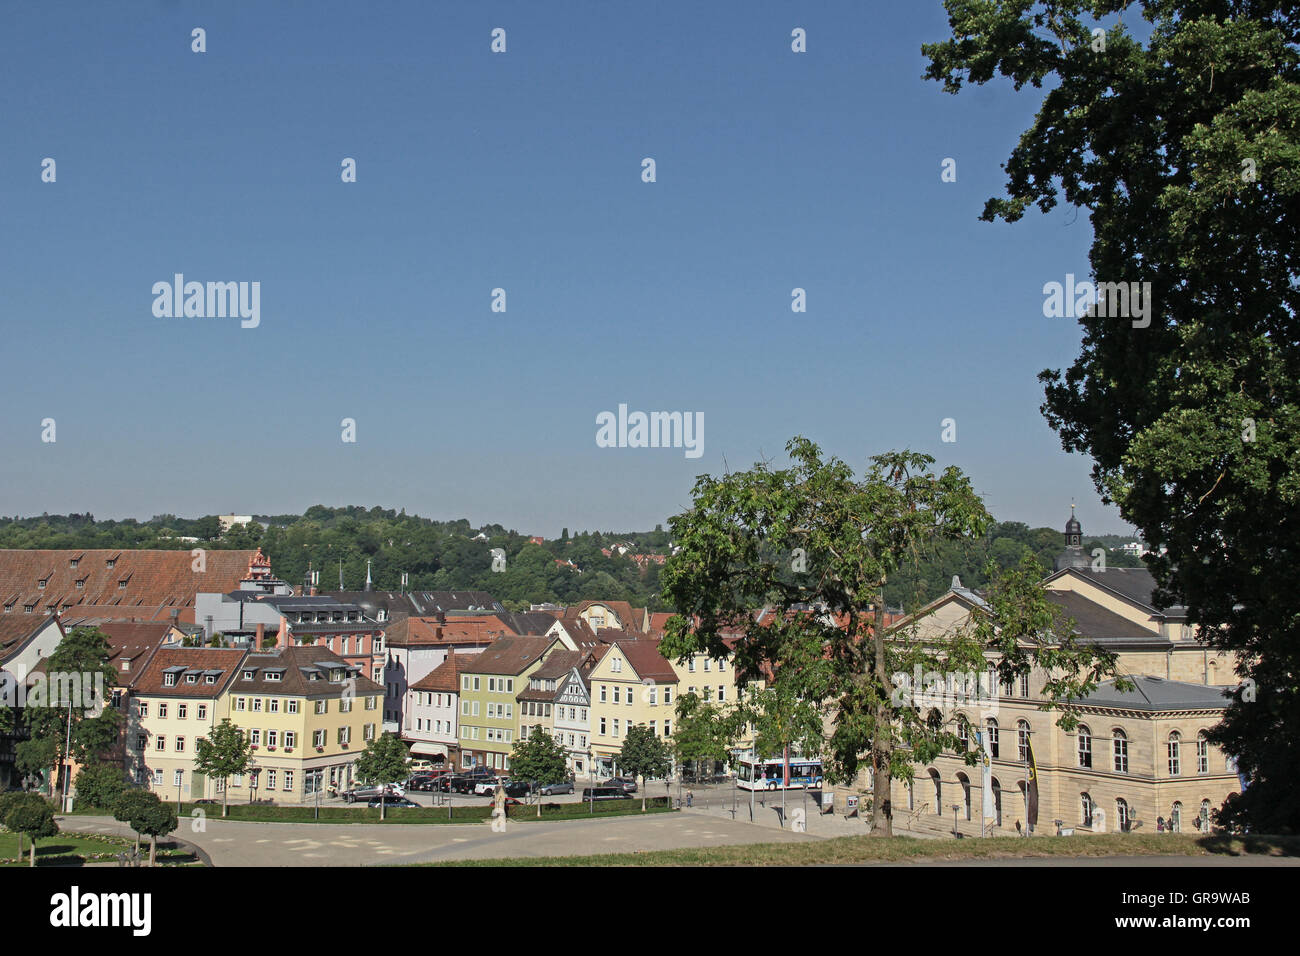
311,677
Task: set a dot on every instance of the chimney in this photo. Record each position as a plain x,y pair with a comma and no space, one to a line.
257,641
282,638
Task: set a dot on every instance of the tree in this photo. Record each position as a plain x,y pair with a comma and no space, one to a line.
539,759
705,731
99,785
71,694
146,814
227,753
644,754
1183,147
383,762
33,816
8,800
816,546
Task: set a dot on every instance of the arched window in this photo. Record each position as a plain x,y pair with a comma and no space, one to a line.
1121,750
1176,817
938,792
993,737
1085,810
1202,753
1024,684
1022,739
1174,748
1085,746
965,793
963,734
1123,817
997,800
1203,821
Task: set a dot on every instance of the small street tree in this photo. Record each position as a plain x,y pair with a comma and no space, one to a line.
145,813
540,760
33,816
644,755
99,785
383,762
227,753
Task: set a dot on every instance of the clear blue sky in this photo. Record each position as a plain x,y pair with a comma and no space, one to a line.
522,171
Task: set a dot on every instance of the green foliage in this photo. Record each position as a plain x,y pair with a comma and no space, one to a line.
383,760
225,753
1184,147
99,785
32,816
539,759
705,731
644,754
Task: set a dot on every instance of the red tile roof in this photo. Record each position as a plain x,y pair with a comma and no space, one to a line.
510,655
445,678
224,659
16,627
646,660
139,579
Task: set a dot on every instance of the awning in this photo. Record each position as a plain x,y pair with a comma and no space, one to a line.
428,749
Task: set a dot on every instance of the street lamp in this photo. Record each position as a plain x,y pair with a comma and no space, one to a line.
955,808
591,783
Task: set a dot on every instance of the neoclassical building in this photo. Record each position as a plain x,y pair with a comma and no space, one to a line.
1138,760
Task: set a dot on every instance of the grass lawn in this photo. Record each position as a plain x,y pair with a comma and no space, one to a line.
266,813
77,849
866,849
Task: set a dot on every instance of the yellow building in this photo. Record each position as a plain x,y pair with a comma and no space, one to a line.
179,697
1139,760
489,709
632,684
308,714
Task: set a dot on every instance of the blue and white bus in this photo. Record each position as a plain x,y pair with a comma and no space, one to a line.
805,774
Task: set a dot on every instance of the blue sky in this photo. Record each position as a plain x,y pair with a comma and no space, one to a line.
522,171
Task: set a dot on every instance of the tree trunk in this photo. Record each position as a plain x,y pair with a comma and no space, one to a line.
225,795
882,823
153,850
33,858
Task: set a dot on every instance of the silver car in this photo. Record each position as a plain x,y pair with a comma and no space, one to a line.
551,789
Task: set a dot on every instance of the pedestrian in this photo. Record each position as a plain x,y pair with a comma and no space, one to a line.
690,798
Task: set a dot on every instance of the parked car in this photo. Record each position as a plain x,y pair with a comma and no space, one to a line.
421,766
482,787
480,772
391,802
627,783
551,789
463,784
605,793
370,793
421,781
518,788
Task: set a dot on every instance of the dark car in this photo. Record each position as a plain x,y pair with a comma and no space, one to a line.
518,788
551,789
463,784
480,772
605,793
421,781
391,802
627,783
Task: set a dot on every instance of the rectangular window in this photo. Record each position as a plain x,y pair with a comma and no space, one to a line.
178,778
322,706
162,710
203,711
603,698
182,711
291,707
602,726
290,740
288,780
668,728
257,705
140,741
239,703
180,744
272,738
318,738
143,709
270,780
255,737
273,705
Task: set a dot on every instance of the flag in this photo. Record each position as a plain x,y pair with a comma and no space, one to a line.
986,759
1033,784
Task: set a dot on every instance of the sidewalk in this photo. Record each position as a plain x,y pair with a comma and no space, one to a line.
767,813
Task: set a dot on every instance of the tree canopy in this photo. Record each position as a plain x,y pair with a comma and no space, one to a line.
1181,138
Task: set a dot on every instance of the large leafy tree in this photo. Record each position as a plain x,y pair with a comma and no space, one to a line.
824,641
539,759
705,731
644,754
226,753
99,785
75,673
145,813
1184,146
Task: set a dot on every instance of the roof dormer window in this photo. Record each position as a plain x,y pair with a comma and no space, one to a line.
169,680
248,675
191,678
41,583
81,585
72,562
121,585
110,563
